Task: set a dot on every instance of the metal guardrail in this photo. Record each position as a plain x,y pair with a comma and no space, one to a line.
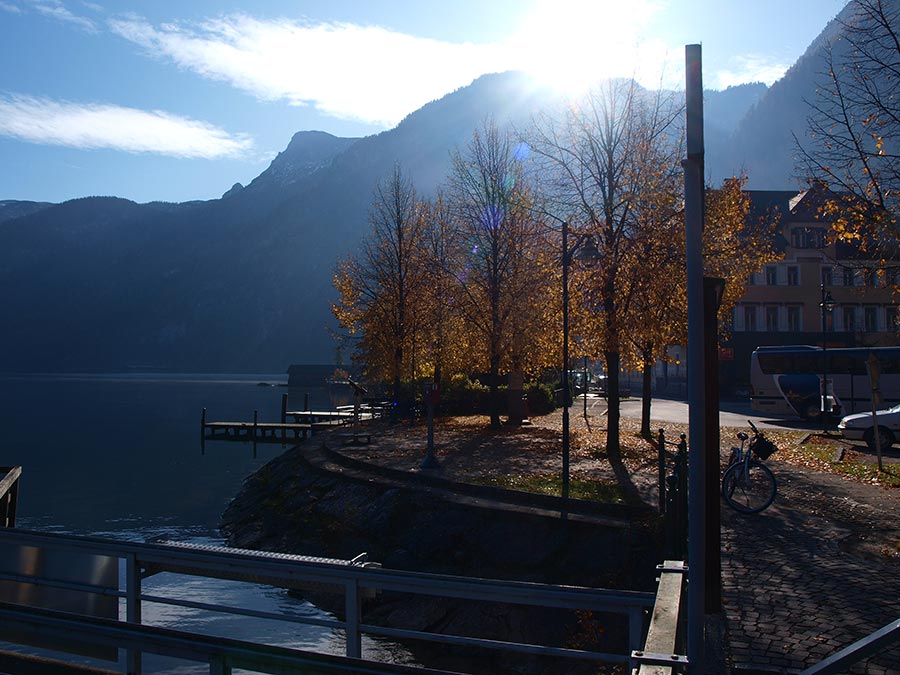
350,578
660,653
868,646
9,494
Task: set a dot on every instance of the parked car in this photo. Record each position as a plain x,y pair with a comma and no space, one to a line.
859,427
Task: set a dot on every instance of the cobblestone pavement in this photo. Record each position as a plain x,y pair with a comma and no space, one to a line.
815,572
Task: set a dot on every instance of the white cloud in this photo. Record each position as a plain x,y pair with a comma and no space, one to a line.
349,71
97,125
9,7
749,68
56,10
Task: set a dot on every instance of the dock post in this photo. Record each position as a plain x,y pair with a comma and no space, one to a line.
203,432
284,407
306,402
255,430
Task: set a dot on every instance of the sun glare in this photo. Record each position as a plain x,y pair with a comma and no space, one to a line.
570,44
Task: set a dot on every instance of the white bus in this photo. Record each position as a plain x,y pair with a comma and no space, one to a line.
788,380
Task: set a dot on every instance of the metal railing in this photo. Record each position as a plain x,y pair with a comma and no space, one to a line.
868,646
9,494
350,578
662,653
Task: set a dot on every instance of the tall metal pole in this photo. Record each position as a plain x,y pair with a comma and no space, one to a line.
693,213
565,357
584,386
822,310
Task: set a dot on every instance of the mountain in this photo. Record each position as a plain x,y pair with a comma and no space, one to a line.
763,142
237,284
243,283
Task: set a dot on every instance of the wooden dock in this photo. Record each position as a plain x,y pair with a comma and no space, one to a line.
304,424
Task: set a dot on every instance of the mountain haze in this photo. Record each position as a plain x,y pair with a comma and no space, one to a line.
243,283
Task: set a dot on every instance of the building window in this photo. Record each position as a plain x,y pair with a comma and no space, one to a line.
808,237
793,275
849,317
827,276
793,318
890,319
771,275
771,318
849,276
750,318
870,319
870,277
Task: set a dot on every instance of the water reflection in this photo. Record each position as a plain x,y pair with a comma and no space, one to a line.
118,456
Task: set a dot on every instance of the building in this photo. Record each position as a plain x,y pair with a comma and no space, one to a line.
782,303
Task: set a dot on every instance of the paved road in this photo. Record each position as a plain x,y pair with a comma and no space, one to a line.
731,413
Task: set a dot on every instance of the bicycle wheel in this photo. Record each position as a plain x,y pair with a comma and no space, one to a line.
748,488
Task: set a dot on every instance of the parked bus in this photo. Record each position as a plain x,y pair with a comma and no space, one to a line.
788,380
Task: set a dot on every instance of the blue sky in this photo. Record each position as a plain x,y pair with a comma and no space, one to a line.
174,101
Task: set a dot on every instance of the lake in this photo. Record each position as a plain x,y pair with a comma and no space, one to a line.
119,456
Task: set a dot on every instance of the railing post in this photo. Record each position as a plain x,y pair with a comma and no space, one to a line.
352,612
13,504
133,608
635,628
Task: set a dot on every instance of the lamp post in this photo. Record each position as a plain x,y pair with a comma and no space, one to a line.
588,252
825,307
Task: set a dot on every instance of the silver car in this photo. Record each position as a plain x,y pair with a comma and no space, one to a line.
859,427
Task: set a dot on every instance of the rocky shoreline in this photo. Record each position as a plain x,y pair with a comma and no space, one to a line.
302,502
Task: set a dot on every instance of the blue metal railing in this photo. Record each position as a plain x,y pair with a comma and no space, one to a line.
351,578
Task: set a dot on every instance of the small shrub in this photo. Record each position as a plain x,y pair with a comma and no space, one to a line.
540,398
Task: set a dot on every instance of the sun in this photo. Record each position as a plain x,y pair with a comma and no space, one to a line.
570,44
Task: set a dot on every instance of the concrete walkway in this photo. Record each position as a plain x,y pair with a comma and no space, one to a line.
815,572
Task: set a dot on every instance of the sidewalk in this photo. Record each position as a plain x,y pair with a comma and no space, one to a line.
815,572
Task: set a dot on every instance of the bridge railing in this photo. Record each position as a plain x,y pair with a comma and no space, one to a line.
353,579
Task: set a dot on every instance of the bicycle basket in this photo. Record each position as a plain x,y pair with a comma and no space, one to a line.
763,447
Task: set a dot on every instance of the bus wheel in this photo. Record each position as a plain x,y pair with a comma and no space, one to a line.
886,437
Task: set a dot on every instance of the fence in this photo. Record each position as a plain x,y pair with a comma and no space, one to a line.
353,579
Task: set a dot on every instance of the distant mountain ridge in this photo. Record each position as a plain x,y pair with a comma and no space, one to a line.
243,283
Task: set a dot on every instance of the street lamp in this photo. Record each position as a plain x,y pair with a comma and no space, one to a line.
825,307
587,251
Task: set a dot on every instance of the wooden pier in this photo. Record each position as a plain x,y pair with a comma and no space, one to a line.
304,424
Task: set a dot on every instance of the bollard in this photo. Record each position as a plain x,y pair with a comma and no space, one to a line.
661,464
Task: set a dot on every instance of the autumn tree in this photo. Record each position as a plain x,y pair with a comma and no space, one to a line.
735,245
381,288
853,139
445,339
498,272
593,158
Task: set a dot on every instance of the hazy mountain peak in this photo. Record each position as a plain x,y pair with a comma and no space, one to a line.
307,152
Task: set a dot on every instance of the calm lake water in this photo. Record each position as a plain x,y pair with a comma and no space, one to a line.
118,456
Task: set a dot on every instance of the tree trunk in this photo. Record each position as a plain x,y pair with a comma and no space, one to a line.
645,394
612,395
495,394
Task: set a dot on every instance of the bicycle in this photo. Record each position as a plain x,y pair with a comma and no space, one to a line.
748,485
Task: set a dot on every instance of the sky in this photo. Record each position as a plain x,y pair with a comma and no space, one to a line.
173,101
